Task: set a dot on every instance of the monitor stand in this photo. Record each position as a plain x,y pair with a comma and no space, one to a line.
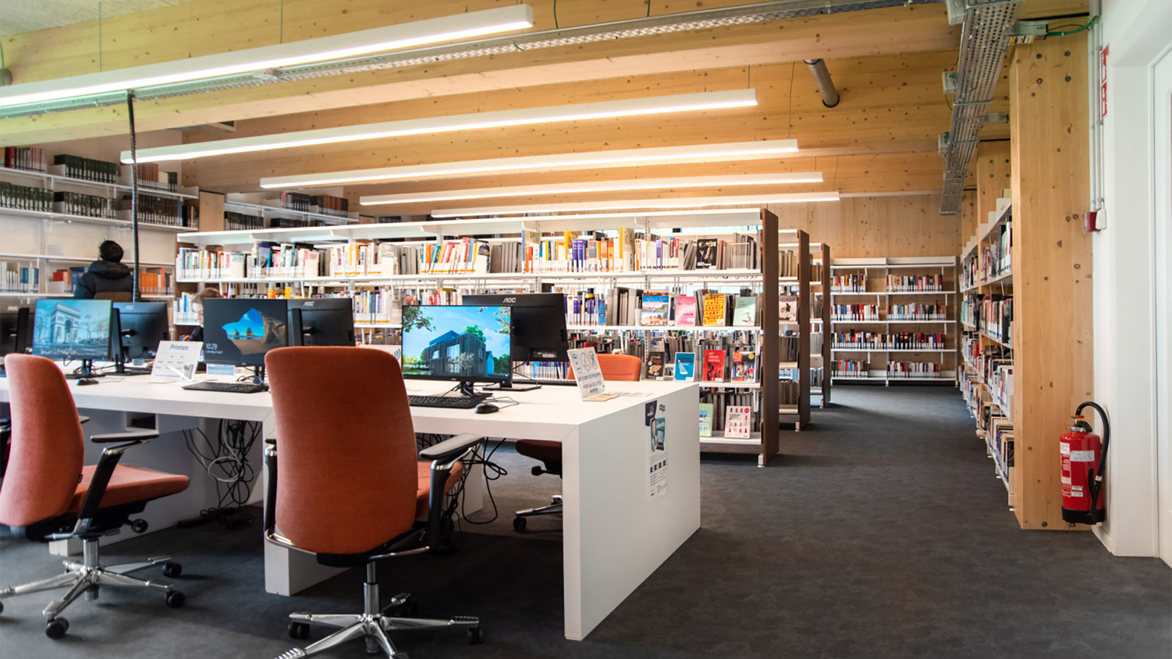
511,386
85,372
258,374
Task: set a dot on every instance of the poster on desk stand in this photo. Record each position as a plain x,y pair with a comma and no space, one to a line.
655,420
588,374
175,361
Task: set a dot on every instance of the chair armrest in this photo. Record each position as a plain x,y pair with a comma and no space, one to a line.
450,448
132,436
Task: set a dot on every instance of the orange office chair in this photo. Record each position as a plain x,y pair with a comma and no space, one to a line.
549,453
350,488
48,491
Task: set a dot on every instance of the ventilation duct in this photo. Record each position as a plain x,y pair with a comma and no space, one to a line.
821,75
634,28
984,40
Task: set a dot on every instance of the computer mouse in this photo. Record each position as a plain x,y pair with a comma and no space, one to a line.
487,408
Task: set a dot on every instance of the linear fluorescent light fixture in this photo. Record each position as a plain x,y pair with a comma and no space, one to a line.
266,58
638,204
575,112
548,163
594,186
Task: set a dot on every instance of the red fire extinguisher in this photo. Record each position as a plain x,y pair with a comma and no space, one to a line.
1084,456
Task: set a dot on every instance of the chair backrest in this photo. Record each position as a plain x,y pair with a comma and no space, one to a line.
346,456
620,367
48,449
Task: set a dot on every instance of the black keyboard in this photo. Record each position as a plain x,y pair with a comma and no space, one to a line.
231,387
458,402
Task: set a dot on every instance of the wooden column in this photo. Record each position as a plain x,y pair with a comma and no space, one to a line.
1051,265
211,211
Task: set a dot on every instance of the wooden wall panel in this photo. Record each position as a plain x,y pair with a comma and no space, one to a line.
1051,266
860,227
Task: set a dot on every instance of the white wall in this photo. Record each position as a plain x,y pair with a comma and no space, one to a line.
1136,33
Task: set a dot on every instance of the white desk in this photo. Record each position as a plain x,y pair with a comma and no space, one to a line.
615,532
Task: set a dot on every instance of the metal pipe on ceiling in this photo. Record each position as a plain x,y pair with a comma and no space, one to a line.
830,96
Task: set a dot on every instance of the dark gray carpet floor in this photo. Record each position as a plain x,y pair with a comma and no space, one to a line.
881,532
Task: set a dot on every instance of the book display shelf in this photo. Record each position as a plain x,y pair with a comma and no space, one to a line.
818,318
986,318
55,210
654,284
893,320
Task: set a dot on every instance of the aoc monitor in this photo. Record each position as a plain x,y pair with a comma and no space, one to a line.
321,321
465,344
539,324
239,331
142,326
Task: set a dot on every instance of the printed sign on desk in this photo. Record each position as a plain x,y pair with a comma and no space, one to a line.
176,361
655,420
587,373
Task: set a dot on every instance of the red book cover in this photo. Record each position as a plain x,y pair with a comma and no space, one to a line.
714,365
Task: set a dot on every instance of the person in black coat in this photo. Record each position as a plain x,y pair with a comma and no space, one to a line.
106,275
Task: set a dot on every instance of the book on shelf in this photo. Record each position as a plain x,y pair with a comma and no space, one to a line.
706,419
738,421
707,250
744,366
713,365
745,311
656,309
787,307
685,366
715,309
685,310
655,365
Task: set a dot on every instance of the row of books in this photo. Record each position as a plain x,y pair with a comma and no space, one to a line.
997,254
709,366
917,311
970,271
234,221
635,307
624,252
17,277
729,414
150,176
166,211
24,197
970,310
324,204
913,369
892,341
87,169
28,158
997,318
857,283
77,203
855,312
850,368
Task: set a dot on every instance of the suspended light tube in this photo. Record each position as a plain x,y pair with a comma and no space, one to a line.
547,163
575,112
638,204
266,58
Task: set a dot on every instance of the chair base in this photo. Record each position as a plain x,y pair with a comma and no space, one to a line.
88,576
554,508
372,625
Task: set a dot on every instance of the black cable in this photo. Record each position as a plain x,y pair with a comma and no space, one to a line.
133,194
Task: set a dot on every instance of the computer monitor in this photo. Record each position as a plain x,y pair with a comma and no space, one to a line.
539,324
321,321
465,344
73,329
16,331
142,326
239,331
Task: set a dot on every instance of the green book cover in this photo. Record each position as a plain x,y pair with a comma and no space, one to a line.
705,419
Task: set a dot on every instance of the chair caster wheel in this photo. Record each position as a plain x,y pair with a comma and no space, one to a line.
175,599
475,635
298,631
172,570
56,628
139,526
519,524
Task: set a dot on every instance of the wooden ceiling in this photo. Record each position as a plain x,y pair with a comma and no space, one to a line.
880,139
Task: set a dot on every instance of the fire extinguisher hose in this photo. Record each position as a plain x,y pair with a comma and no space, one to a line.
1096,483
